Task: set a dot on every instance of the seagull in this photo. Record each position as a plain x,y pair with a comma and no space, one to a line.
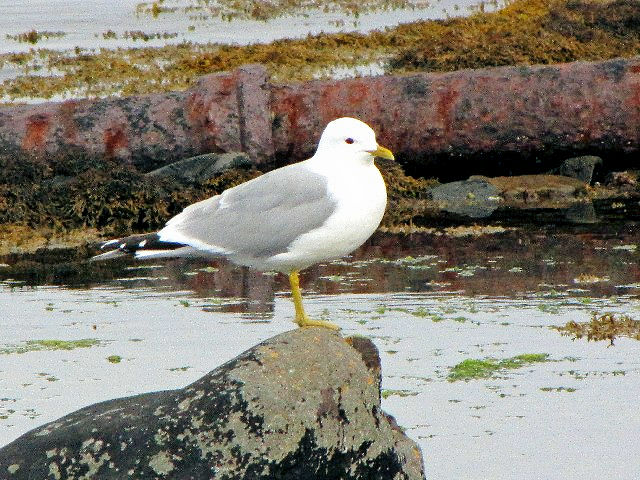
286,220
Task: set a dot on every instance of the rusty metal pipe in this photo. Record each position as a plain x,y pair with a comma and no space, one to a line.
506,110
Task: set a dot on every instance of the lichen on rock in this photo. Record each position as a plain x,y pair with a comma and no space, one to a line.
303,404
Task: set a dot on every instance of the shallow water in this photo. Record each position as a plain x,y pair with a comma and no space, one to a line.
76,26
428,302
85,21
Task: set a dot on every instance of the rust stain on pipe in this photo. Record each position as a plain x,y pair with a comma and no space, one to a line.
37,127
115,140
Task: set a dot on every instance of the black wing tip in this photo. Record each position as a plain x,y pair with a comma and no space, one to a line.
128,246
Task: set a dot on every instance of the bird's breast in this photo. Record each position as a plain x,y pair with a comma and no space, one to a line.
361,199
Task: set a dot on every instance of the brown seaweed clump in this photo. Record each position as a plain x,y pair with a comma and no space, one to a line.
56,196
406,196
61,201
523,33
602,327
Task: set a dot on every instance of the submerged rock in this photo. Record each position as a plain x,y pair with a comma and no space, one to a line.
303,404
581,168
199,169
581,212
473,198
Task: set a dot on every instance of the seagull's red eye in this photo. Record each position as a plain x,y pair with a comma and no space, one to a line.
349,141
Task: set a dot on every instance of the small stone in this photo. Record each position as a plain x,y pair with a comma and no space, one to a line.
622,179
473,198
199,169
581,168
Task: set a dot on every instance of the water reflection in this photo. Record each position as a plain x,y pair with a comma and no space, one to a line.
512,264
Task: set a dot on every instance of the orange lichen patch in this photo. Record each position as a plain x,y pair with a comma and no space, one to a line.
445,107
114,139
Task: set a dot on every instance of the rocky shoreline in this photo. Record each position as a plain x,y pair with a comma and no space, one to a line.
489,146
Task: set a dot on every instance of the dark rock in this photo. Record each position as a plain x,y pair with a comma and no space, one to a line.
474,198
623,180
302,405
222,112
201,168
578,167
582,212
494,121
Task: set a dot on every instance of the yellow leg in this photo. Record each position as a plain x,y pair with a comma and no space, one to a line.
301,318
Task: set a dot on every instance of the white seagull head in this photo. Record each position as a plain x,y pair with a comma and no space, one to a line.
350,138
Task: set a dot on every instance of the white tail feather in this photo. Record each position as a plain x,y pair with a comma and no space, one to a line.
183,252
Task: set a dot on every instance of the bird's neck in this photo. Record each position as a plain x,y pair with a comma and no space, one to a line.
337,161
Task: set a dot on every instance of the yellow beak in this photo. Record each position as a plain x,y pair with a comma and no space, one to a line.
382,152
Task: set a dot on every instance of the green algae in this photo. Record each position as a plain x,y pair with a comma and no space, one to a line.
49,344
144,36
471,369
547,308
558,389
114,359
422,312
179,369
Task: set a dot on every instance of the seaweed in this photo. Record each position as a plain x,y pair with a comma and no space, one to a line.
523,33
601,327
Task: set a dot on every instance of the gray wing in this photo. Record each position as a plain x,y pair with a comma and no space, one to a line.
259,218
